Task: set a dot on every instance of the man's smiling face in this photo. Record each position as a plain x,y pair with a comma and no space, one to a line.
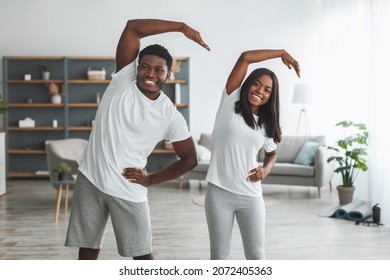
151,75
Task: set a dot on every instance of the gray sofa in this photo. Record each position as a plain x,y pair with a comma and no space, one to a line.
301,161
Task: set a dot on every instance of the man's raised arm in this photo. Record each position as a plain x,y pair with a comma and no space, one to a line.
130,40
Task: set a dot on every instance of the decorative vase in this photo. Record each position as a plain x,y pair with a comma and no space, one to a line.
168,145
45,75
56,99
345,194
177,94
61,177
175,68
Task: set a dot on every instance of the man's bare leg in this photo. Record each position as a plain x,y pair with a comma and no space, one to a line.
88,254
145,257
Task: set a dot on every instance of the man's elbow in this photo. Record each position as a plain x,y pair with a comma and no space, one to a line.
131,22
191,162
134,26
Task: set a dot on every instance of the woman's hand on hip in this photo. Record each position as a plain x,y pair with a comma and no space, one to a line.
257,174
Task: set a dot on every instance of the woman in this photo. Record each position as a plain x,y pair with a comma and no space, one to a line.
246,121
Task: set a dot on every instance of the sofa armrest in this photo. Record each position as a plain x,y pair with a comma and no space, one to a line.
203,153
205,140
323,170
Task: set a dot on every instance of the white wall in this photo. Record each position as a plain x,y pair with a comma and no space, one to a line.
74,27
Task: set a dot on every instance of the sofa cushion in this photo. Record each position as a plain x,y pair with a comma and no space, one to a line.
307,153
292,169
205,140
202,166
289,147
202,152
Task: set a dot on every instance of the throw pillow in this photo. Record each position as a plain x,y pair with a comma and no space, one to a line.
307,153
202,152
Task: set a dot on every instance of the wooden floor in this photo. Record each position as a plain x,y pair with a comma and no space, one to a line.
294,230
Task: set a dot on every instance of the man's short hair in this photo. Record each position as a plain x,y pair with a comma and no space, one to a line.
158,50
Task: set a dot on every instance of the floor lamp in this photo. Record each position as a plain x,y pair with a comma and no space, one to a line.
302,95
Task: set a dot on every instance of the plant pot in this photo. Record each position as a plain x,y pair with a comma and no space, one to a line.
61,177
45,75
345,194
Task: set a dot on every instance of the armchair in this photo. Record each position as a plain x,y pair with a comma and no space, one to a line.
64,150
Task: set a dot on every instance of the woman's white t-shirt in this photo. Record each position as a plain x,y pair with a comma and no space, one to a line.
235,146
127,128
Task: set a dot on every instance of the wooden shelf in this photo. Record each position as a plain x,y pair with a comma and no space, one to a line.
31,105
181,57
36,128
80,128
39,152
26,152
91,57
163,151
34,81
181,105
83,105
79,81
26,175
35,57
89,81
176,82
108,81
74,105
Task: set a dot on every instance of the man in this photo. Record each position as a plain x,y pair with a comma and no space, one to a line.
133,116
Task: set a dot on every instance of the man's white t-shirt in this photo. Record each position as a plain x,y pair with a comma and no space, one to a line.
235,149
128,125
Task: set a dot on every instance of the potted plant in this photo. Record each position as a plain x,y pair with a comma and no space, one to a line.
60,170
3,106
46,69
350,153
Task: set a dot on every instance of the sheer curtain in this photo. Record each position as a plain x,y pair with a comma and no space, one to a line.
354,82
379,123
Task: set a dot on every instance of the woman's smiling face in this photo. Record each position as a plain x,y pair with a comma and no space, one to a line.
260,92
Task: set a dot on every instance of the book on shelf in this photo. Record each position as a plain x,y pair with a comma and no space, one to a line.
42,172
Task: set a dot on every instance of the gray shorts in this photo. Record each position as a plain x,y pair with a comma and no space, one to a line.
90,212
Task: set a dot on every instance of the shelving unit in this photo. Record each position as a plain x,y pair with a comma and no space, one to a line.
26,156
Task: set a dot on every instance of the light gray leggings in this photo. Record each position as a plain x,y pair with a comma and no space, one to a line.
221,208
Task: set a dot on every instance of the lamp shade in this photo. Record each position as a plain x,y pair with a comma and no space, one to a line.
301,94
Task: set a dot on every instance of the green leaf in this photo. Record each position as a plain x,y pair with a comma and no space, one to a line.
344,123
350,151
